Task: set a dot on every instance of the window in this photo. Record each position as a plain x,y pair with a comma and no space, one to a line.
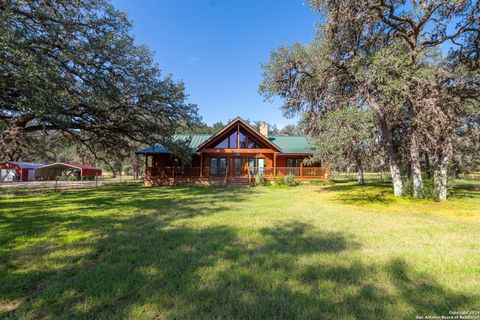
233,140
229,142
213,166
238,165
256,164
222,166
247,142
252,144
243,141
218,166
294,162
293,166
252,162
223,144
261,162
237,139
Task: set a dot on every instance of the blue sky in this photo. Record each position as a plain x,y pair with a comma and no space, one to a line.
216,47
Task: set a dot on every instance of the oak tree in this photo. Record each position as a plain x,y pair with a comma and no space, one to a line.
72,67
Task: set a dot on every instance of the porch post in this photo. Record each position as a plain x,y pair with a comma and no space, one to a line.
274,164
225,179
201,164
301,168
153,166
146,162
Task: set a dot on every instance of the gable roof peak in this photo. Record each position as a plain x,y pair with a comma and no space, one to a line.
247,126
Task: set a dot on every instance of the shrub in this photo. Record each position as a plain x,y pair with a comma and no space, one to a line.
290,180
279,182
260,178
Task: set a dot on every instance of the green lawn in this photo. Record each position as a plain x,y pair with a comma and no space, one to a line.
332,252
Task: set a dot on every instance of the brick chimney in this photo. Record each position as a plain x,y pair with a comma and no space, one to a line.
264,129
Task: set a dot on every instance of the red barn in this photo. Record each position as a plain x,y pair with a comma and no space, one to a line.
18,171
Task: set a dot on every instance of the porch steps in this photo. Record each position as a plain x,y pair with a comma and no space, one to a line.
238,182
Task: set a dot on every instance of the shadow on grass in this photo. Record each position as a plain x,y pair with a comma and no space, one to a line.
373,192
466,189
21,217
155,265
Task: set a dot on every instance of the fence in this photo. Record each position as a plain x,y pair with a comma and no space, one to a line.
64,182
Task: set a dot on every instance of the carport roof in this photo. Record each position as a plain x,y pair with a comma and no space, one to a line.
60,165
26,165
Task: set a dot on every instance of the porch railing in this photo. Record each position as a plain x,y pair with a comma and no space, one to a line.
305,172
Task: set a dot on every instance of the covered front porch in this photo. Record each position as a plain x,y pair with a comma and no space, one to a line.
236,154
221,169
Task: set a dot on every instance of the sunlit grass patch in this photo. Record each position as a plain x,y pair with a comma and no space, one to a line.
377,196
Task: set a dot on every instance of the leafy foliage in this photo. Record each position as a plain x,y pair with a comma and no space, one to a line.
290,180
343,135
72,67
385,56
260,178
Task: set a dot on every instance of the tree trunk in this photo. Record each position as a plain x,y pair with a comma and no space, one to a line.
415,168
136,163
440,174
440,180
442,194
428,170
360,178
388,145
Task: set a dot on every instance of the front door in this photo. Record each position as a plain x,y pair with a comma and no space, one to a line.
237,167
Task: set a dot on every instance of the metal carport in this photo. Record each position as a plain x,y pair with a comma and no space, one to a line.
51,171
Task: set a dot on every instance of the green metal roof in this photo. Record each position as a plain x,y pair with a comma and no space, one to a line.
194,141
288,144
292,144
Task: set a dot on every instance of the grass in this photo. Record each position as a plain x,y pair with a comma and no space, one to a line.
322,251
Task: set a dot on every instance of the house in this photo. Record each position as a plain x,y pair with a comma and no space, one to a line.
233,155
51,171
18,171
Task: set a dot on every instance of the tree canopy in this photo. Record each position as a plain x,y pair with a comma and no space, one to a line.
344,137
386,55
72,67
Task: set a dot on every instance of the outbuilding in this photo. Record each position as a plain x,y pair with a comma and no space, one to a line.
51,171
18,171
